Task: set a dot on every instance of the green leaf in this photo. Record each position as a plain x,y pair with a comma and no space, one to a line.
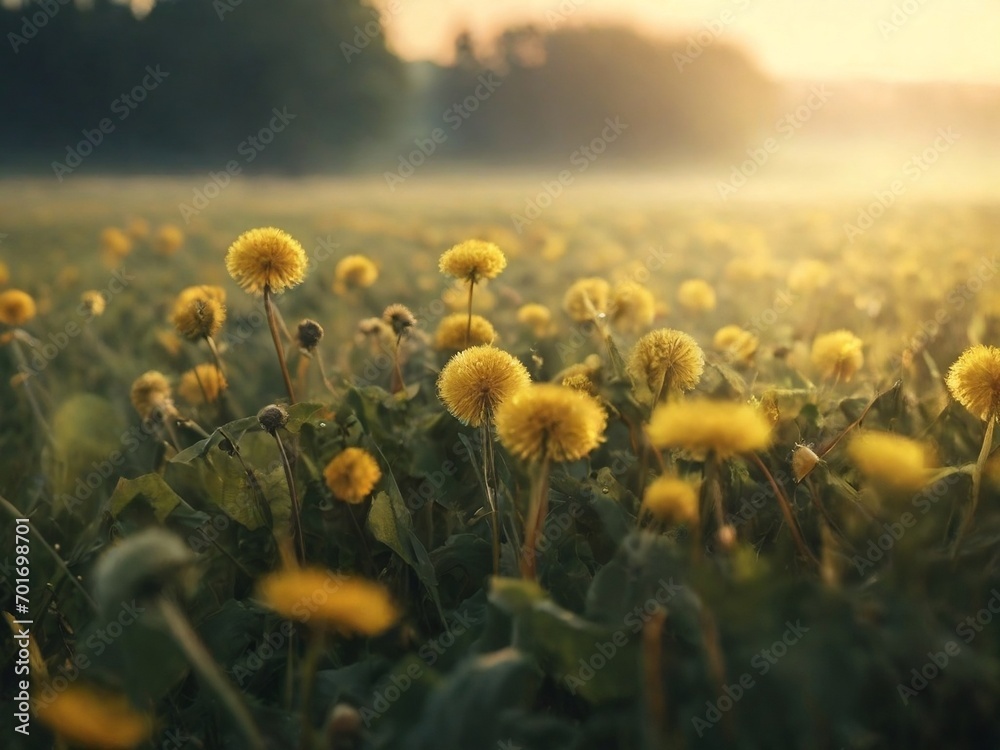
150,486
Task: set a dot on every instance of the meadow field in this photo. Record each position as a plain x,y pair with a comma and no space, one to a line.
474,465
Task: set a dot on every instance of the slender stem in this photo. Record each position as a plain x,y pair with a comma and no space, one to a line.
214,349
653,663
535,520
489,472
977,482
786,510
276,337
398,384
468,326
28,374
205,666
322,372
296,512
309,665
16,514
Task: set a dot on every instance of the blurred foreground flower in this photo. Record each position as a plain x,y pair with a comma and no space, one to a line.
721,427
891,461
314,596
352,474
89,717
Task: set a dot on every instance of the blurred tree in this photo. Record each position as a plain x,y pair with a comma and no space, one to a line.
228,65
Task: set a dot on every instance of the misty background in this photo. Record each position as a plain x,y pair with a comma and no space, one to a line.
526,99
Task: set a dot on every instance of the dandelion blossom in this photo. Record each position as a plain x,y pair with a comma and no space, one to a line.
696,295
701,426
537,317
632,306
890,460
94,718
550,422
318,597
352,474
168,240
587,299
476,381
150,393
266,258
736,343
16,307
354,272
672,500
974,381
92,303
837,355
451,332
666,361
204,384
473,261
199,311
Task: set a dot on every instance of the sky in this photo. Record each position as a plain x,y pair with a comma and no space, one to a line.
896,40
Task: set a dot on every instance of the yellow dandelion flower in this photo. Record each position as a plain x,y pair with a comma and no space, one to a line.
550,422
16,307
701,426
809,275
204,384
476,381
837,355
537,317
266,257
672,500
587,299
150,393
115,243
168,240
399,318
352,474
737,344
473,261
974,381
451,330
580,382
632,306
92,303
199,311
889,460
137,228
696,295
354,272
349,605
666,361
89,717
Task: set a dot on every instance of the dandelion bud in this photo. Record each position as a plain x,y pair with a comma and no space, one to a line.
308,335
804,460
272,418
